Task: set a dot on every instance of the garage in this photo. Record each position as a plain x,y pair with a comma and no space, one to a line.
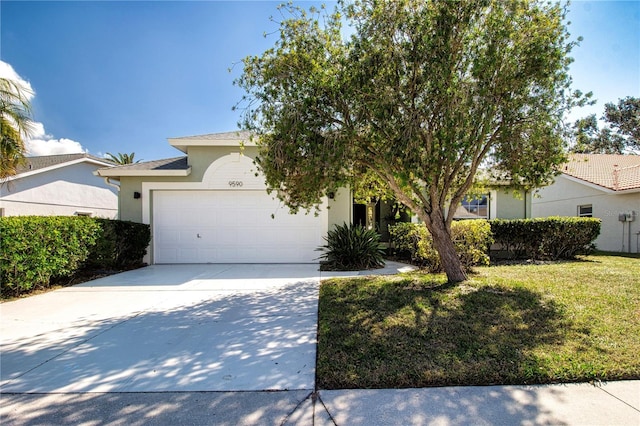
231,226
212,206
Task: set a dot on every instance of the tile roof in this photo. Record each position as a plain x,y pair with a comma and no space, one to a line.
239,135
40,162
614,172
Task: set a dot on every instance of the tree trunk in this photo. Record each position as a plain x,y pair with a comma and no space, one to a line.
446,249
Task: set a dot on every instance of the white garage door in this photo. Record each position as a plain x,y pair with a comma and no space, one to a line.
231,227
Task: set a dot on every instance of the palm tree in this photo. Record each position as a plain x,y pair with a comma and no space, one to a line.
122,158
15,125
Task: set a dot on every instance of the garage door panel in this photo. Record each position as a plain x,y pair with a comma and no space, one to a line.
233,227
185,254
169,255
170,236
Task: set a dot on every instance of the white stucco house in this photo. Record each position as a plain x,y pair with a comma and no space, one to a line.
211,206
59,185
598,185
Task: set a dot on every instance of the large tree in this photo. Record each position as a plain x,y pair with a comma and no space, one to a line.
625,119
620,134
420,95
15,125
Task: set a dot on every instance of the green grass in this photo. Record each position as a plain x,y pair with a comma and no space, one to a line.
516,324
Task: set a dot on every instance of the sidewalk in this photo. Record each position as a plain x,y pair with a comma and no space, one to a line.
613,403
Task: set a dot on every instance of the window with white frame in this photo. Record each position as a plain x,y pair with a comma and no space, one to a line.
585,210
473,208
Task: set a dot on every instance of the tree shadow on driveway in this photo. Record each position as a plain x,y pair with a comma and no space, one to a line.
201,340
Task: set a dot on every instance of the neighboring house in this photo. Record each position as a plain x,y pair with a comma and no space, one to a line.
59,185
210,206
598,185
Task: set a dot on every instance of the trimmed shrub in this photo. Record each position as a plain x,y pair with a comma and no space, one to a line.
36,250
550,238
352,247
404,239
33,249
120,244
472,239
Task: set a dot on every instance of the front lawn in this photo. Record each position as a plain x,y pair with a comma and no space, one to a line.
515,324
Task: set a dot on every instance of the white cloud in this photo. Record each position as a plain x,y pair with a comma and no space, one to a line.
43,144
7,72
37,147
39,143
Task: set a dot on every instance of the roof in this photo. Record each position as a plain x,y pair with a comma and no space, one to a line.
177,166
45,163
41,162
235,138
238,135
610,171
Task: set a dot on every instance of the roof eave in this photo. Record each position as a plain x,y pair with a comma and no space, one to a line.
28,173
627,191
599,187
117,173
184,144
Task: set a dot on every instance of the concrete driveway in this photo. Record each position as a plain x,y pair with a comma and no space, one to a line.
166,328
182,345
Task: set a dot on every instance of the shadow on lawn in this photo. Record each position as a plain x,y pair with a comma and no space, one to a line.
401,335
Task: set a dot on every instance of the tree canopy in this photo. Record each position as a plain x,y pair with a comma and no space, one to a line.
15,125
415,100
122,158
620,134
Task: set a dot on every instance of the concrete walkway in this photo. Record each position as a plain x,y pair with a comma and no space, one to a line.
230,345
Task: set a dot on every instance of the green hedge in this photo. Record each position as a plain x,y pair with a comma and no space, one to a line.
549,238
120,244
36,249
472,239
33,249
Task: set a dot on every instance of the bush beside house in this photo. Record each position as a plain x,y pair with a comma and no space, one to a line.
472,239
551,238
120,245
351,248
36,250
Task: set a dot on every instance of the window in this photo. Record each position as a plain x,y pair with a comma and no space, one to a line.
585,210
473,208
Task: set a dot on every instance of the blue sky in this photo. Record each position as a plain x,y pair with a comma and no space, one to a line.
124,76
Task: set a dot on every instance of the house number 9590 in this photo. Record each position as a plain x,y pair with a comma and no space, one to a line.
235,183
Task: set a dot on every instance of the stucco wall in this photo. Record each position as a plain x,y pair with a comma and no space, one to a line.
64,191
130,207
340,208
200,158
511,206
564,196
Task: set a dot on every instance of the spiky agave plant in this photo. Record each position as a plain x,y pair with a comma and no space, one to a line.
352,247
